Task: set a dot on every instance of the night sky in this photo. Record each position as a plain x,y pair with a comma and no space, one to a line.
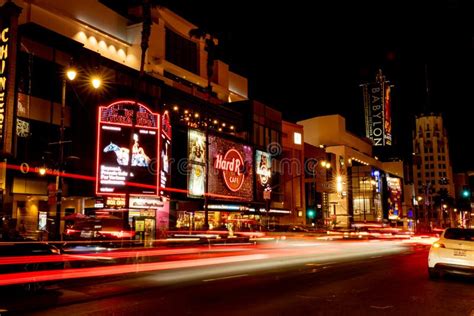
308,58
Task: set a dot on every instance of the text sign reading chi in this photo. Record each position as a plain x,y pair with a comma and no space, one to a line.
127,156
4,39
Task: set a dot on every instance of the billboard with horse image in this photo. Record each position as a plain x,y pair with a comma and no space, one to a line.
127,154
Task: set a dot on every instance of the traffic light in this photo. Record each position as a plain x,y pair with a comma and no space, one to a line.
310,213
466,193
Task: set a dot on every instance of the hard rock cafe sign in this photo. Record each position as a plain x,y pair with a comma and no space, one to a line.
232,165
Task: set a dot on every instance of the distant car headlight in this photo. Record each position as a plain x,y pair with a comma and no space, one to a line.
56,251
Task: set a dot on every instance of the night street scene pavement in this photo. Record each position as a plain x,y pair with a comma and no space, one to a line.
312,276
236,157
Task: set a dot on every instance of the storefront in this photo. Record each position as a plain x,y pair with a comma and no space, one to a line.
366,191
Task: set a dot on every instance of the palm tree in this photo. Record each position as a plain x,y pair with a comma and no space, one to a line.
146,31
142,10
210,46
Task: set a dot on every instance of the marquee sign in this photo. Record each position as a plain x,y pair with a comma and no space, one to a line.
127,155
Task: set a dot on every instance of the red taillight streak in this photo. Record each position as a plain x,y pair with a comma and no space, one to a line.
114,255
134,184
52,275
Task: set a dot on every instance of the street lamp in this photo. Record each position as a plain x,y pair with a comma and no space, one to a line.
71,75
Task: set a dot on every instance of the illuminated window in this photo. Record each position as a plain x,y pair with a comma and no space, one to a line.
297,138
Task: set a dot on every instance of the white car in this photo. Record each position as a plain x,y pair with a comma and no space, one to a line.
452,253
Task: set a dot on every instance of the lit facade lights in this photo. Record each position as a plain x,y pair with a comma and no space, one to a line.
339,184
42,171
175,108
196,115
359,161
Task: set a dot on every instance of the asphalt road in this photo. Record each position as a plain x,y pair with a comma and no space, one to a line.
393,283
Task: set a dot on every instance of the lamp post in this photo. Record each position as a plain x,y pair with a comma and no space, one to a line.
71,74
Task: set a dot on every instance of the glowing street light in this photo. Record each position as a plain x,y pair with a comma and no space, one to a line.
96,82
71,73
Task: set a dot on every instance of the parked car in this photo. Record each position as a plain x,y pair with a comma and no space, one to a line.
99,229
20,250
452,253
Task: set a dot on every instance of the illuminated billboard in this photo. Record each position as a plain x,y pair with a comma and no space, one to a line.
377,108
387,114
230,170
263,172
127,155
196,163
394,186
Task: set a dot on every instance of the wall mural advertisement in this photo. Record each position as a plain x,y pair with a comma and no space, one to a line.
196,163
230,170
394,186
116,138
263,172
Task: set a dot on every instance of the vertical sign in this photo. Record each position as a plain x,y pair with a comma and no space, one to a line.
394,186
9,13
377,108
263,173
387,113
4,39
165,172
196,163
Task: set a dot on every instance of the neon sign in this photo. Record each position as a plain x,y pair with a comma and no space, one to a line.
231,164
231,172
3,78
127,155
